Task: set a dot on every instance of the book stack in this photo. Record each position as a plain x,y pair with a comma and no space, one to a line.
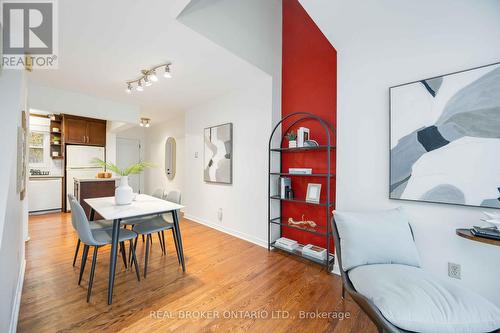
286,244
491,232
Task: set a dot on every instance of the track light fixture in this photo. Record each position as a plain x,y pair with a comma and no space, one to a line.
148,76
145,122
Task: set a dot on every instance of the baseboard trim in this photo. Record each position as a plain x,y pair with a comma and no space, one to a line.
226,230
17,300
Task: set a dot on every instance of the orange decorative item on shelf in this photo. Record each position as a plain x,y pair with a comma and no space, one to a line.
308,225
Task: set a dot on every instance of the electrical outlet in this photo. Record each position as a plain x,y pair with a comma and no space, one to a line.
195,154
454,270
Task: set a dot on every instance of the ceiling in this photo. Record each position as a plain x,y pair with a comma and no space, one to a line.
102,44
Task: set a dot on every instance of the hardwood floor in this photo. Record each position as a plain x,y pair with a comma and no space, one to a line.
230,285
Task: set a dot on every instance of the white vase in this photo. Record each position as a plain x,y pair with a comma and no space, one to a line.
292,144
124,193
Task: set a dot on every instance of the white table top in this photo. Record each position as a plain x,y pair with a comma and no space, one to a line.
142,205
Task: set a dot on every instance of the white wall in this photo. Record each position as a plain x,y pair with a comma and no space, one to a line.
69,102
244,203
134,132
382,43
13,212
154,152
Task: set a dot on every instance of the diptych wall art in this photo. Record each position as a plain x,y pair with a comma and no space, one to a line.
218,154
445,139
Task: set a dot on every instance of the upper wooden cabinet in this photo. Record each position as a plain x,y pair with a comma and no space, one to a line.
86,131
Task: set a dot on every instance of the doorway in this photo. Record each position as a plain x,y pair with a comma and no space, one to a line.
128,151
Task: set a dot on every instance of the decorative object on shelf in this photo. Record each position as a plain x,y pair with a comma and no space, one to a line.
170,158
289,193
145,122
147,77
56,130
218,154
285,185
302,136
311,143
123,193
300,171
292,139
286,244
55,154
314,251
308,225
313,192
428,161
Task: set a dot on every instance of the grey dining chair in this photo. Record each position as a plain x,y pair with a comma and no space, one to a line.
158,193
96,238
159,224
94,225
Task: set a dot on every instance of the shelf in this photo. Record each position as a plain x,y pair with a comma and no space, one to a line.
302,174
324,204
277,221
56,144
298,252
57,157
301,149
54,133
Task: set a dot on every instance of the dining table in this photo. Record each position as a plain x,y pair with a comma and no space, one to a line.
142,206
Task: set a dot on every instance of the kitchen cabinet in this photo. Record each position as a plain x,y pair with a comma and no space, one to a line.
87,131
44,194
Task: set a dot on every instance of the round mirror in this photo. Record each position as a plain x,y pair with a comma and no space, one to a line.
170,158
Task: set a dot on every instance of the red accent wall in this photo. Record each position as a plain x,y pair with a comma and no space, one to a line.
310,85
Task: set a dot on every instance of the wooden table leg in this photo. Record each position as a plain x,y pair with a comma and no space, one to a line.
112,259
175,216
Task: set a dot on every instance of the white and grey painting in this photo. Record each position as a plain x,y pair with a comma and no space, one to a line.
445,139
218,155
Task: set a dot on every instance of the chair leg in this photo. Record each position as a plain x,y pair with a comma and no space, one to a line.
161,243
174,234
124,256
163,240
147,255
134,260
84,260
92,271
143,238
343,291
76,251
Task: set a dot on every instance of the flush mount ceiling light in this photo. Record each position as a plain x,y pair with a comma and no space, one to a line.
148,76
145,122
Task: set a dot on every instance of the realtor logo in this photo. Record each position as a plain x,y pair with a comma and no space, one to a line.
29,33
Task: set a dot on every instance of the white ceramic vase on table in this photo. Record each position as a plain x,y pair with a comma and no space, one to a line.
124,194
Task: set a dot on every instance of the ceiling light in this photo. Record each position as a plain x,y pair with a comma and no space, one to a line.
139,86
153,76
129,88
145,122
148,76
167,73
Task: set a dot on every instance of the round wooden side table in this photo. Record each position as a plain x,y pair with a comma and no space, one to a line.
465,233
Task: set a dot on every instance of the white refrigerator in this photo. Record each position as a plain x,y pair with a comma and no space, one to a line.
79,165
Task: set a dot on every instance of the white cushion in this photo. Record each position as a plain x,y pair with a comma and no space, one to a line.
381,237
414,300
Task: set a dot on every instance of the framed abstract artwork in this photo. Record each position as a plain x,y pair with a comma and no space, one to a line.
445,139
218,154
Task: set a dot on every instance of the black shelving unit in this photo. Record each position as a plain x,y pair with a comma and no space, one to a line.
327,204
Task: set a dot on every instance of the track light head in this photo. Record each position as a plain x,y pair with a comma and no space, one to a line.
153,76
129,88
139,86
167,73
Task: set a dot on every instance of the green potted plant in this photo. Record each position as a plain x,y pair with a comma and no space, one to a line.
292,139
123,193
